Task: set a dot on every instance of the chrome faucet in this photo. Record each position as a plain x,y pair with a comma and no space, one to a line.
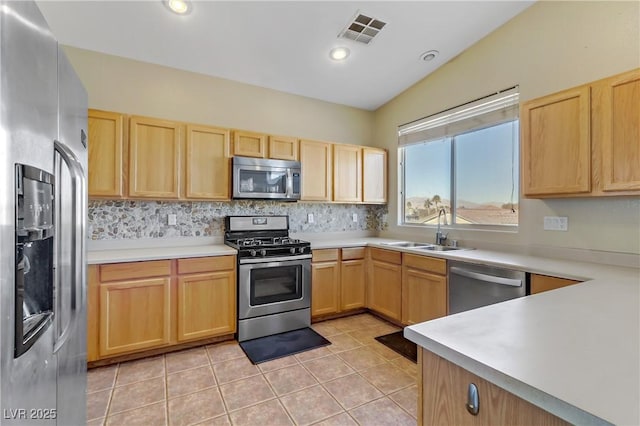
440,237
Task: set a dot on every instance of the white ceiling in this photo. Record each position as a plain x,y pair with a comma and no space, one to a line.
285,45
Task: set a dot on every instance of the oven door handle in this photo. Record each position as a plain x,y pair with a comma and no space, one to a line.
274,259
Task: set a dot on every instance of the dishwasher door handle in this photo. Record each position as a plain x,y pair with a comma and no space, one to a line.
484,277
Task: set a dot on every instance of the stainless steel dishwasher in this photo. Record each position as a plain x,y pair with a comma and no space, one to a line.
472,286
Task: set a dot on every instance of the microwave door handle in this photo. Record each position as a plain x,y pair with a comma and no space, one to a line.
289,183
77,238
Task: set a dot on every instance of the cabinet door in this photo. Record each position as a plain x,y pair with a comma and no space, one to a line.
374,172
316,159
540,283
424,296
93,312
325,282
134,315
249,144
106,154
556,144
154,158
616,105
347,173
206,305
352,273
208,163
283,148
385,289
443,399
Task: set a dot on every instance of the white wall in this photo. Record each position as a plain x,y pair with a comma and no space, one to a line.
549,47
124,85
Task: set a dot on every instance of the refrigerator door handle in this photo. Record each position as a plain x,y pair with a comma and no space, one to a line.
77,219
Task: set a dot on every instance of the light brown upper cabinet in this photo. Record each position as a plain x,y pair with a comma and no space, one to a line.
106,154
583,141
347,173
154,158
317,169
208,163
374,172
249,144
616,133
283,148
556,143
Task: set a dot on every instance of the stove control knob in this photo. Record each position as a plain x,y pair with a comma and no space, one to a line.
301,250
292,250
252,253
263,252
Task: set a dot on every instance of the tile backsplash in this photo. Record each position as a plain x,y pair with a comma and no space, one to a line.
115,219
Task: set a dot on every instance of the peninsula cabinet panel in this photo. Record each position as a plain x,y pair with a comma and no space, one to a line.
347,173
249,144
556,143
93,309
317,171
443,399
134,315
424,296
540,283
208,163
352,283
325,282
206,305
374,175
154,158
106,148
616,133
283,148
385,287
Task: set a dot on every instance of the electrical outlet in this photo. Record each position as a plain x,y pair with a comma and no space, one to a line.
309,217
556,223
172,219
355,217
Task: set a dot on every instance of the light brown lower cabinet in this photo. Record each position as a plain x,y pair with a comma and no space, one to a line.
137,306
442,399
424,288
385,283
540,283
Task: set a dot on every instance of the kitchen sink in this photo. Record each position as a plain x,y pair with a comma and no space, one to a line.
407,244
434,247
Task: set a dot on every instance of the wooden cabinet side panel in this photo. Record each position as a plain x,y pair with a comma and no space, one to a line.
106,151
93,312
154,158
325,282
283,148
540,283
347,173
317,171
134,315
556,143
374,175
352,285
208,163
424,296
616,115
206,305
385,289
444,397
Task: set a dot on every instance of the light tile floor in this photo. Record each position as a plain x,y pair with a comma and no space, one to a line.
355,380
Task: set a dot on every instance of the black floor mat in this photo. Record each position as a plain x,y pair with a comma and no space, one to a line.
398,343
283,344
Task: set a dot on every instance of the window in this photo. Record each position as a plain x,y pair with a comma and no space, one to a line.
464,161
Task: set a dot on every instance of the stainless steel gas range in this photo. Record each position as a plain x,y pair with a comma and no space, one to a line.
274,276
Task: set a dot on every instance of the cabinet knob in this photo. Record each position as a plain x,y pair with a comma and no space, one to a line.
473,399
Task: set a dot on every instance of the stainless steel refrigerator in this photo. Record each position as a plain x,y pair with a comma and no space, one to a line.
43,199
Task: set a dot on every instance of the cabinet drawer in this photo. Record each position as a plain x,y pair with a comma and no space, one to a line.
353,253
124,271
206,264
324,255
388,256
425,263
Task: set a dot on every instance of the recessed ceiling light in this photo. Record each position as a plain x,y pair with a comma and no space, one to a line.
339,53
181,7
430,55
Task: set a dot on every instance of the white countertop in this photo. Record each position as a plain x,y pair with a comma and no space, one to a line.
155,253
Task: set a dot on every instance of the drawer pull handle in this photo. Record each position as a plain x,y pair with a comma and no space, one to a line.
473,400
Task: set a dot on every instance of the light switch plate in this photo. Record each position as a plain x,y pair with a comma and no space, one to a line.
172,219
556,223
355,217
310,217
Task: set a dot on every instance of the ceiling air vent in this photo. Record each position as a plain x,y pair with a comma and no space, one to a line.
362,28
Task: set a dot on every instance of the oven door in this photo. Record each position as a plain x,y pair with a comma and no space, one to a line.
278,285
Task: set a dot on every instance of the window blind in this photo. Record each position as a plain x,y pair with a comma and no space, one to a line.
487,111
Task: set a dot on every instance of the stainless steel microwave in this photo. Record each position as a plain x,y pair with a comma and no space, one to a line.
266,179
